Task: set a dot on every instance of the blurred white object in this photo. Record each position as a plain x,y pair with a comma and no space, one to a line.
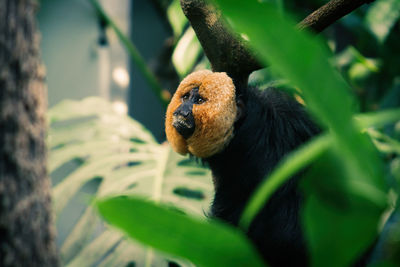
120,76
120,107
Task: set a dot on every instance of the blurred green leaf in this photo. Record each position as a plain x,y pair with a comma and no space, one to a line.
381,17
377,119
280,6
343,239
176,17
288,167
186,52
384,142
369,64
304,60
323,89
303,156
395,169
358,72
129,161
204,243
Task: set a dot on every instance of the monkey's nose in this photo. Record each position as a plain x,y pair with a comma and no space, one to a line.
185,126
182,112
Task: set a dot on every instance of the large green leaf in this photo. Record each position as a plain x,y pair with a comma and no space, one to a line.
289,166
304,155
204,243
124,159
305,62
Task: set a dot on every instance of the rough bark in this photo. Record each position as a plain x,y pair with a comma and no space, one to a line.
329,13
228,53
27,235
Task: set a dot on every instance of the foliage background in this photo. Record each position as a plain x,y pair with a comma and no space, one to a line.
97,152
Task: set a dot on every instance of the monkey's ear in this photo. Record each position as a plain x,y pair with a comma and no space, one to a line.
240,109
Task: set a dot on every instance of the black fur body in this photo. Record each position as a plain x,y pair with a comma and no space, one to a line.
272,125
242,134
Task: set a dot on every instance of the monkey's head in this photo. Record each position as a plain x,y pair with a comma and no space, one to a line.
202,113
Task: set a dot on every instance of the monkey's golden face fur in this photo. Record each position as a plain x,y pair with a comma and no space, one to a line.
214,118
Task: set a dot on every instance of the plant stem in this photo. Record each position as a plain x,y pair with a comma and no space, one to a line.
134,53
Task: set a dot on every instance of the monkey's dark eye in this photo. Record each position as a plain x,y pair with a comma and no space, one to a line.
200,100
185,96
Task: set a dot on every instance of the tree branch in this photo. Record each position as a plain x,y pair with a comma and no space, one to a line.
330,13
228,52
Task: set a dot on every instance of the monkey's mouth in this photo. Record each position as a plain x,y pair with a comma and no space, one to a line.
184,125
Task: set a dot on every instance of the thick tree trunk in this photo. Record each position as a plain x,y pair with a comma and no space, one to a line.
26,232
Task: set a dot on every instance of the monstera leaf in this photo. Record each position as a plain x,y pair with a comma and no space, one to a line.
95,152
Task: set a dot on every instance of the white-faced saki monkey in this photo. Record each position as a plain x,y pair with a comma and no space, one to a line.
242,135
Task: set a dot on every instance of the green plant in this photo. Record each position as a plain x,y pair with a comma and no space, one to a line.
347,204
347,197
108,154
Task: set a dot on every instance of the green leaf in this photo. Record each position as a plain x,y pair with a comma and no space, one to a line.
129,161
369,64
358,72
186,52
304,155
395,169
323,89
204,243
377,119
288,167
337,245
176,17
381,17
336,223
384,142
305,62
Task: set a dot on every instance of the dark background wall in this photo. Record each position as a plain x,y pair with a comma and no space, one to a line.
148,33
